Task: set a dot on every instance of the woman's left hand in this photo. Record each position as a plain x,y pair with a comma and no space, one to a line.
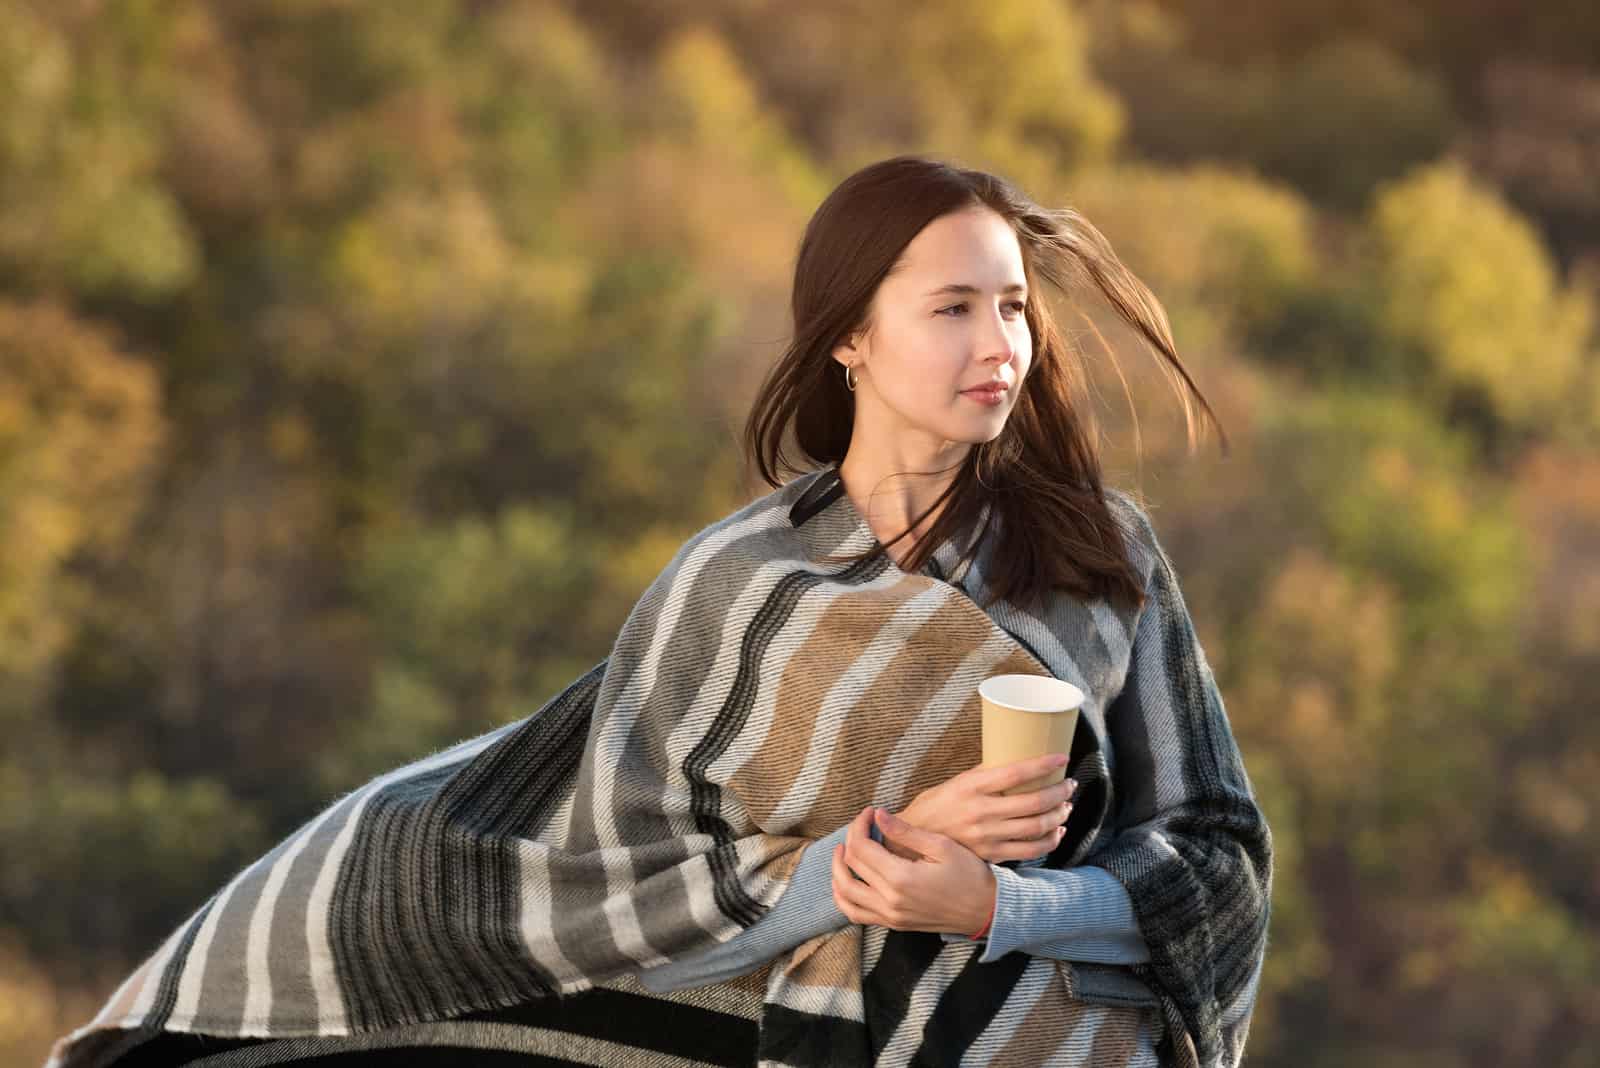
946,888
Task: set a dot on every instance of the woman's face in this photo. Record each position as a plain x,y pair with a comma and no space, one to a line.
947,318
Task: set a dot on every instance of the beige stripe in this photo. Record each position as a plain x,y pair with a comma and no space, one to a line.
961,747
1031,987
869,731
131,1002
831,959
127,995
1117,1040
822,976
810,675
897,697
1053,1017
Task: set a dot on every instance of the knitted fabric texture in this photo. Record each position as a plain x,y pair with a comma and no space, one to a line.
757,697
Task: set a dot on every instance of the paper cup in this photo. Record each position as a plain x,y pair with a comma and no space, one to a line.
1028,716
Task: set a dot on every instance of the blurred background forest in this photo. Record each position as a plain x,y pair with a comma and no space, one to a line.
361,363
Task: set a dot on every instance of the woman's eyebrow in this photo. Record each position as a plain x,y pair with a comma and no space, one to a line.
961,287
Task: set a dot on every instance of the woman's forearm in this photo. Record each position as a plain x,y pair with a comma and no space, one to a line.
1080,913
804,910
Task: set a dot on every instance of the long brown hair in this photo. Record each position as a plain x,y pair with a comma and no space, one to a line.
1042,473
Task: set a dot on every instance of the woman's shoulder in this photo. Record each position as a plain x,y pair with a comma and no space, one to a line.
1132,516
767,512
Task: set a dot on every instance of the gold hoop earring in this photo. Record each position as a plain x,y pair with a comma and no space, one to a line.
849,383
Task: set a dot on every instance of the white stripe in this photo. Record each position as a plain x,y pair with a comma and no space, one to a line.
1157,707
818,999
331,1019
1033,985
817,602
195,961
1080,1040
150,977
784,646
614,729
701,895
873,939
932,721
258,985
764,708
538,927
878,655
924,998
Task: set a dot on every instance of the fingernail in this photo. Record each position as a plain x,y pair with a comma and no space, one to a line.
1060,831
1072,787
1060,760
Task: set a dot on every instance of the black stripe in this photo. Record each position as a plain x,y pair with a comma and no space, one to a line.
121,1046
656,1024
507,793
886,990
414,861
966,1008
433,1057
1092,800
822,492
690,1031
374,944
705,796
806,1040
172,1047
167,993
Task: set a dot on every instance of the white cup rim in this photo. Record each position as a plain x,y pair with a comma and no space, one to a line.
1032,693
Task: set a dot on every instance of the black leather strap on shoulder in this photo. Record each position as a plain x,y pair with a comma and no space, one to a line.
821,493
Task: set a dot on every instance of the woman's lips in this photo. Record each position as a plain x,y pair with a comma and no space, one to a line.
985,396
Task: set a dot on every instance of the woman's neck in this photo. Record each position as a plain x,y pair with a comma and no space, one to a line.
889,497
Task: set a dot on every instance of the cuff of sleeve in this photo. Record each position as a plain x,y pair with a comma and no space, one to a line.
804,910
994,923
1095,916
1002,932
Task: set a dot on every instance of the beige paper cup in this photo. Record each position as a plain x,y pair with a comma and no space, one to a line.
1028,716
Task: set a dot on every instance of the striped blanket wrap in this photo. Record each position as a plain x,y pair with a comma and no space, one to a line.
757,697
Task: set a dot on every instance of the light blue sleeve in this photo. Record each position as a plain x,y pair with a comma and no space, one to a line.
1080,913
804,910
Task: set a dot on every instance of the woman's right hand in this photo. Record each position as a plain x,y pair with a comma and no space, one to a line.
972,809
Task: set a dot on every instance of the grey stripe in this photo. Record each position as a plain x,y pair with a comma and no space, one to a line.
475,1034
222,995
806,909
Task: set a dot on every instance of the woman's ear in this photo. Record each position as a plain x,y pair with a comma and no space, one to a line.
848,352
845,352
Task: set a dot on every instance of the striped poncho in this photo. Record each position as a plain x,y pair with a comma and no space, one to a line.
497,900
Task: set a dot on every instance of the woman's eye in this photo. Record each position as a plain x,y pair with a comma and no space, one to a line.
1017,304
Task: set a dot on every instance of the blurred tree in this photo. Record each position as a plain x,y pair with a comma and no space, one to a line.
79,148
1222,247
80,433
360,365
1461,281
1005,85
1333,122
1539,144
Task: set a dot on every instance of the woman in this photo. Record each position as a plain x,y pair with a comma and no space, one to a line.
757,831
